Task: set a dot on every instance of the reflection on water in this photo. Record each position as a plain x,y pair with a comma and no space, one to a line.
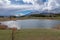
33,23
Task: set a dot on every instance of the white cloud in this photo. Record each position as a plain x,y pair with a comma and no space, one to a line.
21,14
39,5
51,4
30,1
5,2
6,5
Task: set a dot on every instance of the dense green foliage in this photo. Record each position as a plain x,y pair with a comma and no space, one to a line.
45,15
34,15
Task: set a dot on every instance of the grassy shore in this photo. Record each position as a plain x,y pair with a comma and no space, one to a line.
23,18
31,34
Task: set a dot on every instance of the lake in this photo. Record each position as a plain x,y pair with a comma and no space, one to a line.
32,23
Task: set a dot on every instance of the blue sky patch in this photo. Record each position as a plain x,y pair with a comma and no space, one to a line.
24,12
20,2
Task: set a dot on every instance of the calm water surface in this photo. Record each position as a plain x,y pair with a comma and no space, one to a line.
33,23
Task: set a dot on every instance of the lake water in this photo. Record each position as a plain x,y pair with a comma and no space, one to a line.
33,23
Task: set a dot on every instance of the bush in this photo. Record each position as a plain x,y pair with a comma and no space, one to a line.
57,27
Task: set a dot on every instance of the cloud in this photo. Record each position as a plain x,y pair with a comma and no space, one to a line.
30,1
7,7
5,2
52,4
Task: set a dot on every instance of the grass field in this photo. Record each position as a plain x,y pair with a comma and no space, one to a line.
31,34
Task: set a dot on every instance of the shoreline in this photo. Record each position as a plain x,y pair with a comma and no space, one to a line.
23,18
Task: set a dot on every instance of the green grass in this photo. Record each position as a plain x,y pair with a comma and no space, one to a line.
5,35
31,34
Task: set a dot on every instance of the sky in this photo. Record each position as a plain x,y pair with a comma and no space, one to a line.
15,7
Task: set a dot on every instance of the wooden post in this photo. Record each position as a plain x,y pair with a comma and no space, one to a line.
13,33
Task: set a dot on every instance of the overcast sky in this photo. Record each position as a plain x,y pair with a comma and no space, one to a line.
11,7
